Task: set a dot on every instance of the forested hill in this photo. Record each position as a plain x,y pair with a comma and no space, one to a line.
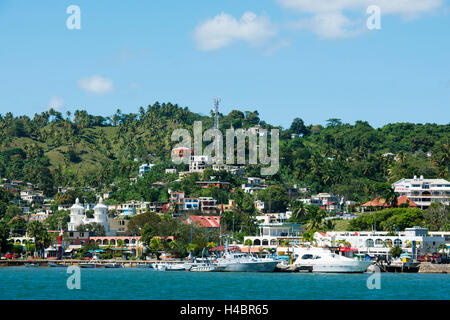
53,149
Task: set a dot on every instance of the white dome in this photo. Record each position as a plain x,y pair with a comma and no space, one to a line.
77,205
100,205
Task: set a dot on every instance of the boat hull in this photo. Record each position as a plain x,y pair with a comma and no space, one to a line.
358,267
268,266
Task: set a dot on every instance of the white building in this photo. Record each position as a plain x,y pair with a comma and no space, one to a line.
380,243
144,168
32,196
199,163
78,216
424,191
273,230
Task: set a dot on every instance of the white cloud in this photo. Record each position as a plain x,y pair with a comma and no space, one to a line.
223,30
329,19
400,7
329,26
277,46
56,103
96,84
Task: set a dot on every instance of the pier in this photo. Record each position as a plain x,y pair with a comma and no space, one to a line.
46,263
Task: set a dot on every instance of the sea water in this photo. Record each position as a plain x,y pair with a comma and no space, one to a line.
136,284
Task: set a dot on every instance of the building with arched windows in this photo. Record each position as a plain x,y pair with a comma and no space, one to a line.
78,216
381,242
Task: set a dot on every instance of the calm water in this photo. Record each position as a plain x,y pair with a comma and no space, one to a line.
134,284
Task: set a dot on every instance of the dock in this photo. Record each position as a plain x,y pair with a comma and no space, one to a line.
69,262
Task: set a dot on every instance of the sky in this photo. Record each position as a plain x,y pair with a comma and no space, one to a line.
313,59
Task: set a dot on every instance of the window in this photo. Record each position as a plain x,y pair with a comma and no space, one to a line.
307,256
70,234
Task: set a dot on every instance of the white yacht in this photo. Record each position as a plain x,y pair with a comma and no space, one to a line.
323,260
241,262
204,267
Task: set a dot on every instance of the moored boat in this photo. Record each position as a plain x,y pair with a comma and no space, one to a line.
31,265
204,267
323,260
92,265
57,265
241,262
113,265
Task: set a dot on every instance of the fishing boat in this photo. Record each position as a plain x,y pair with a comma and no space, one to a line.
92,264
323,260
113,265
144,265
31,265
57,265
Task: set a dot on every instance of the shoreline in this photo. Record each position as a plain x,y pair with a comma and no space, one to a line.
423,268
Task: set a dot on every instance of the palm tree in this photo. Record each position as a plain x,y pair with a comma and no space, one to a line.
248,243
299,210
35,230
191,247
315,219
120,244
391,197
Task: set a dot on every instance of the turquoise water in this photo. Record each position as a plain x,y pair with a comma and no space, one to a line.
135,284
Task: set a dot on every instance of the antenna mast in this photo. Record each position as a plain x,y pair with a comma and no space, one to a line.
216,113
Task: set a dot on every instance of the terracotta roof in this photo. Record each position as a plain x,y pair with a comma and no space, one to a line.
205,221
378,202
405,199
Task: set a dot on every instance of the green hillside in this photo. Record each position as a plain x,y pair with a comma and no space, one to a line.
52,149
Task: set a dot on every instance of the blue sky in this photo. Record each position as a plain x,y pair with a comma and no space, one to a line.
313,59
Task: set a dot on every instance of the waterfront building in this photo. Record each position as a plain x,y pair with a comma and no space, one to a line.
424,191
274,230
78,216
130,244
76,239
21,240
380,242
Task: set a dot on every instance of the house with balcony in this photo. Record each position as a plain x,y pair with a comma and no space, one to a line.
274,230
423,192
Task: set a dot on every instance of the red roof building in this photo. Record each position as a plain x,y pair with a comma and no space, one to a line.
406,200
378,202
204,221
